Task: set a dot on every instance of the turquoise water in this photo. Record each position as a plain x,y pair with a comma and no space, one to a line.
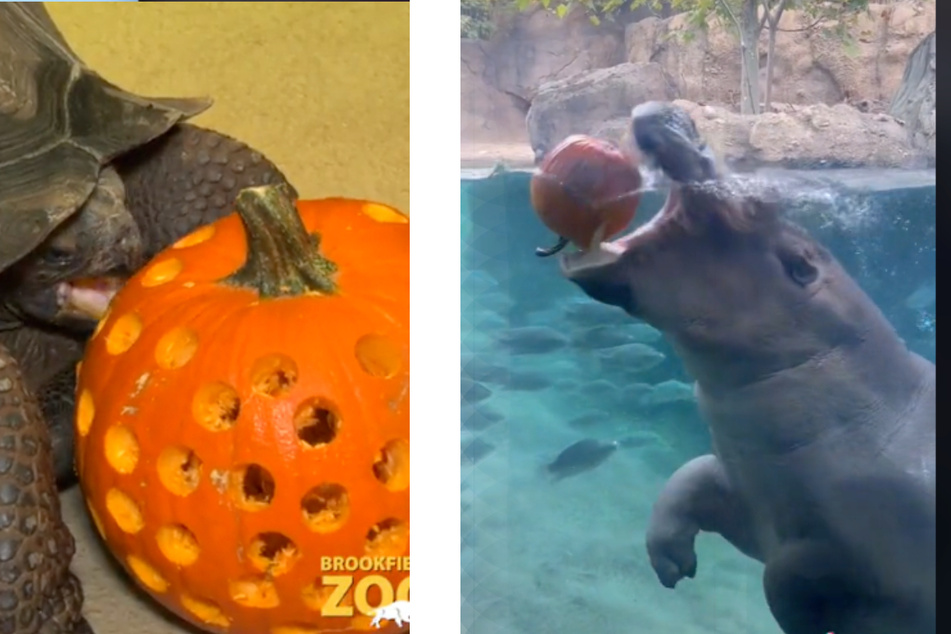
568,556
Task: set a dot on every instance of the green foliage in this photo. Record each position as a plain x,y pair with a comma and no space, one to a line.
477,19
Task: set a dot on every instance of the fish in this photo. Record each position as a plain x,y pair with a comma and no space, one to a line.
601,337
473,391
590,419
667,393
638,440
589,313
631,357
528,381
581,456
599,390
479,417
532,340
477,368
475,450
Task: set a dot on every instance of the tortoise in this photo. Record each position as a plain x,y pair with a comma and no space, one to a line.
94,181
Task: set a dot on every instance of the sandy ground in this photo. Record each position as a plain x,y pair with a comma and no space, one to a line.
113,603
486,155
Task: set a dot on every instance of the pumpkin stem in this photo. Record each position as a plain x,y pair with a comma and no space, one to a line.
283,259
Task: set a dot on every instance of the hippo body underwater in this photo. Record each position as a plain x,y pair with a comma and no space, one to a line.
822,421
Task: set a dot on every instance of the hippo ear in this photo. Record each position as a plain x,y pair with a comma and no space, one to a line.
600,275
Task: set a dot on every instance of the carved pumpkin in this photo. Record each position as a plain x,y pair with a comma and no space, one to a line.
586,190
243,417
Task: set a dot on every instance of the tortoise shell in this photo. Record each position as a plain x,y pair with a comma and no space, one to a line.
60,124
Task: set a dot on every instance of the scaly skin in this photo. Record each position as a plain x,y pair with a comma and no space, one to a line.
38,594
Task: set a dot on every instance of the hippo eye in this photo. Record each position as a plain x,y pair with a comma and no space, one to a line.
800,270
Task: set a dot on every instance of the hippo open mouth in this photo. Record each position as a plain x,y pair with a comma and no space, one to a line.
589,269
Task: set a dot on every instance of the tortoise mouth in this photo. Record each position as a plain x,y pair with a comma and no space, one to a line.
87,299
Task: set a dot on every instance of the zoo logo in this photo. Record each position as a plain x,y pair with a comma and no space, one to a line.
341,586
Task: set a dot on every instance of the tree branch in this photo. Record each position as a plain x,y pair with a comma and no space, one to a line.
774,19
767,8
818,21
726,7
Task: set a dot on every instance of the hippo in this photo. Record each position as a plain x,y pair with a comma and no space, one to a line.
822,421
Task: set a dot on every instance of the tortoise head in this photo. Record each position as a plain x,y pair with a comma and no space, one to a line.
62,210
70,277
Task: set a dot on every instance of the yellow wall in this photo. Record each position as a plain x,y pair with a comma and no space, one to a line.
321,88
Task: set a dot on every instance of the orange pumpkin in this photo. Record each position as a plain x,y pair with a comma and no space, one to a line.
586,190
243,418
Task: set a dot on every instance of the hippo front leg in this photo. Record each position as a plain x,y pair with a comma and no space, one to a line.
698,497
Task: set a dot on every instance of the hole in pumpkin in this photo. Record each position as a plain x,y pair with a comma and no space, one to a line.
121,448
205,611
179,469
315,595
325,507
197,236
378,356
252,487
148,575
391,466
388,538
178,544
124,511
216,406
85,412
316,423
273,553
176,348
383,213
254,592
273,375
125,331
161,272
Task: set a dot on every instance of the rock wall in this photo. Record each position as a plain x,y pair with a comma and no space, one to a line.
810,67
805,136
914,103
501,77
591,102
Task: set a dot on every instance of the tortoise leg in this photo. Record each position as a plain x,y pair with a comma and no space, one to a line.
187,178
57,398
83,627
38,591
47,362
552,250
